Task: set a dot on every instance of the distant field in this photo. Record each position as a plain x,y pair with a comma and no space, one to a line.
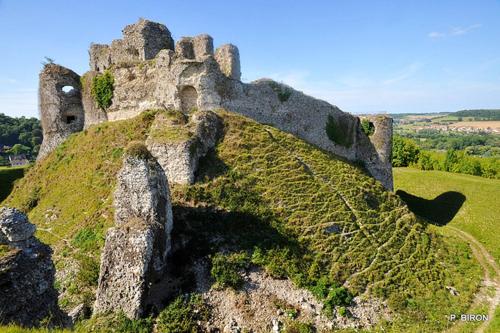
478,124
480,213
7,177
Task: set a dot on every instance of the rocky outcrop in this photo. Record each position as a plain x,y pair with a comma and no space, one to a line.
60,105
26,273
179,144
136,249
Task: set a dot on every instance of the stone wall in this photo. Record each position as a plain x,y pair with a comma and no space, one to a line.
61,112
150,73
141,41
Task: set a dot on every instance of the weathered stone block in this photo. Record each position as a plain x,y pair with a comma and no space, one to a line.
184,48
203,46
183,144
100,57
228,58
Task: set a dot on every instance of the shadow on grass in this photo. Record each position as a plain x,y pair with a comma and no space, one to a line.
438,211
7,178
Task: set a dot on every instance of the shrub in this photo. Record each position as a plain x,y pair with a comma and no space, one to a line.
331,294
339,131
183,315
226,269
281,90
138,149
367,127
117,323
102,89
404,152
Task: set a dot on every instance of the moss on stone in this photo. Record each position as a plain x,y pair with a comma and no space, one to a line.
138,149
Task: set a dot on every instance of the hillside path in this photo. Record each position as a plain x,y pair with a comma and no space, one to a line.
488,263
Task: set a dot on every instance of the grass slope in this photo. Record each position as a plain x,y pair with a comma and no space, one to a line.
295,210
480,212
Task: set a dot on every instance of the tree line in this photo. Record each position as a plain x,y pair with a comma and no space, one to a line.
406,153
19,136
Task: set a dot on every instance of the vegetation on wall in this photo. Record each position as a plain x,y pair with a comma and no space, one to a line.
367,127
102,89
339,131
282,91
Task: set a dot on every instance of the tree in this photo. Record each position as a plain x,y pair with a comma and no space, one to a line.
19,149
404,152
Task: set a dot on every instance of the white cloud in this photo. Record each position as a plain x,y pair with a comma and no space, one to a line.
455,31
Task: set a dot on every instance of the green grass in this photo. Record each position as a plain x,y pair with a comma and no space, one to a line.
480,212
297,211
8,176
69,196
478,215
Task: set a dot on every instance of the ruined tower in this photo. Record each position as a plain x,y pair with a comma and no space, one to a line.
60,106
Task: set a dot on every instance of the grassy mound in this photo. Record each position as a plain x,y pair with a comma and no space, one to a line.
275,200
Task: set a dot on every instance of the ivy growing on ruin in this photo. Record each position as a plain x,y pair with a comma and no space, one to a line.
102,89
367,127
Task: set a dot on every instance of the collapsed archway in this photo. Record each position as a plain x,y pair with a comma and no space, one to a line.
189,99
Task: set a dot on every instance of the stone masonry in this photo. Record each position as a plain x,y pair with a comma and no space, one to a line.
151,72
61,112
136,249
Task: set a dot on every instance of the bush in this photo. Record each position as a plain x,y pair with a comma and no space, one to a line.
116,323
367,127
404,152
183,315
102,89
226,269
331,294
281,90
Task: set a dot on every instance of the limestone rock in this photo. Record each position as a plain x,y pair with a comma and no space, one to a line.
26,274
14,225
182,144
136,249
228,58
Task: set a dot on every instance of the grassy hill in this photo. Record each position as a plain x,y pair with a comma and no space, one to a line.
296,211
480,212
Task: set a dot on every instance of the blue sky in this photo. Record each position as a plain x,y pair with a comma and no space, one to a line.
363,56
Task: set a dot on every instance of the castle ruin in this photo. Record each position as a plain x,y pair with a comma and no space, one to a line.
150,71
